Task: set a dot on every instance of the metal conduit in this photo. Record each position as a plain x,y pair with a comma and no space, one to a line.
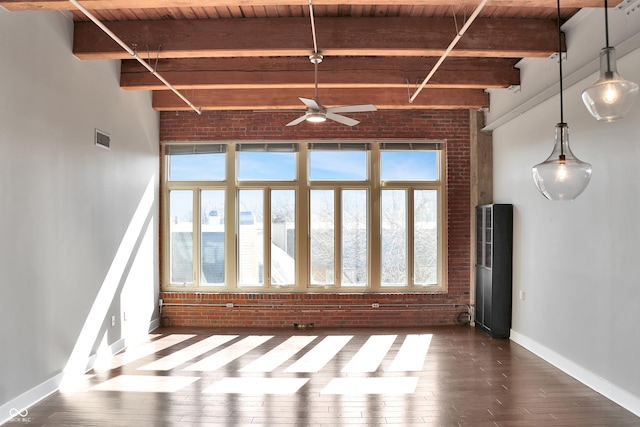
133,53
308,306
458,319
455,41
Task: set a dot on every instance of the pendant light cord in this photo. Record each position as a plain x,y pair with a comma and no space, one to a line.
606,31
561,96
560,64
606,21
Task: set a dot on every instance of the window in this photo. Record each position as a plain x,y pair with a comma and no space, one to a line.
338,161
304,216
196,162
394,238
212,231
322,223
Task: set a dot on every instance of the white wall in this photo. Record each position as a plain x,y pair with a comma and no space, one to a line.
78,223
577,262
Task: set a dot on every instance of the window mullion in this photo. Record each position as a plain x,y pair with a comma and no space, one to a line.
230,222
441,216
303,228
338,237
374,226
442,264
197,237
410,238
266,237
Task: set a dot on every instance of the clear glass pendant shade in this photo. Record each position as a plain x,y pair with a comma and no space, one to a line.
562,176
610,97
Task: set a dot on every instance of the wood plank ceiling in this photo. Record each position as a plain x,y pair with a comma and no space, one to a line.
254,54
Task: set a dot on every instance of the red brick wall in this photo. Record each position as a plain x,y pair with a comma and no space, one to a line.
283,310
321,309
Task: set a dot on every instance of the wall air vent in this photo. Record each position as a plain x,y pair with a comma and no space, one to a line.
102,139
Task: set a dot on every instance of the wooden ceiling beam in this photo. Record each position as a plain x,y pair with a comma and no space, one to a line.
15,5
336,72
404,36
287,99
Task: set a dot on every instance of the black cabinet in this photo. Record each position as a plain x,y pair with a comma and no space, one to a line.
494,247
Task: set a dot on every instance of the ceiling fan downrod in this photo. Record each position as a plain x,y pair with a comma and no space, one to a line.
315,59
316,112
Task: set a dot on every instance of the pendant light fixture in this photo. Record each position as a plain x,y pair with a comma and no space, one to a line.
610,97
562,176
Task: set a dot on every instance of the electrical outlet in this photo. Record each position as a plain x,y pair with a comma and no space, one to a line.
229,305
375,305
113,320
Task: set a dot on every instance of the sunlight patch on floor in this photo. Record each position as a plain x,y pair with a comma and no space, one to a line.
229,354
315,359
412,354
304,352
255,386
371,354
144,383
279,355
401,385
186,354
80,383
153,347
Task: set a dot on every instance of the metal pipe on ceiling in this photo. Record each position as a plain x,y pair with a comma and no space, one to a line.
453,43
133,53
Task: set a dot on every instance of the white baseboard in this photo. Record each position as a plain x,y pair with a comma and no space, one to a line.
18,407
155,324
588,378
114,348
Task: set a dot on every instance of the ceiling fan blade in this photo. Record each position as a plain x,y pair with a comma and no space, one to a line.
353,108
342,119
297,121
310,103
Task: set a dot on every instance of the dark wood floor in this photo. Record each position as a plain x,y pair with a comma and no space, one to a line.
443,376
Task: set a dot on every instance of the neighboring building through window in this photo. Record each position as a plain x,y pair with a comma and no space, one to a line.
304,216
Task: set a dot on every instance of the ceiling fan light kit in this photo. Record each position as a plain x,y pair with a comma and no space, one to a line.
314,117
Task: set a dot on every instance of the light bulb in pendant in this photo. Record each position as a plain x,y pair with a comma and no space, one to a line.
610,94
561,171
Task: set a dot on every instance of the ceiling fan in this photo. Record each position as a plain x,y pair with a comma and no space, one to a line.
316,112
